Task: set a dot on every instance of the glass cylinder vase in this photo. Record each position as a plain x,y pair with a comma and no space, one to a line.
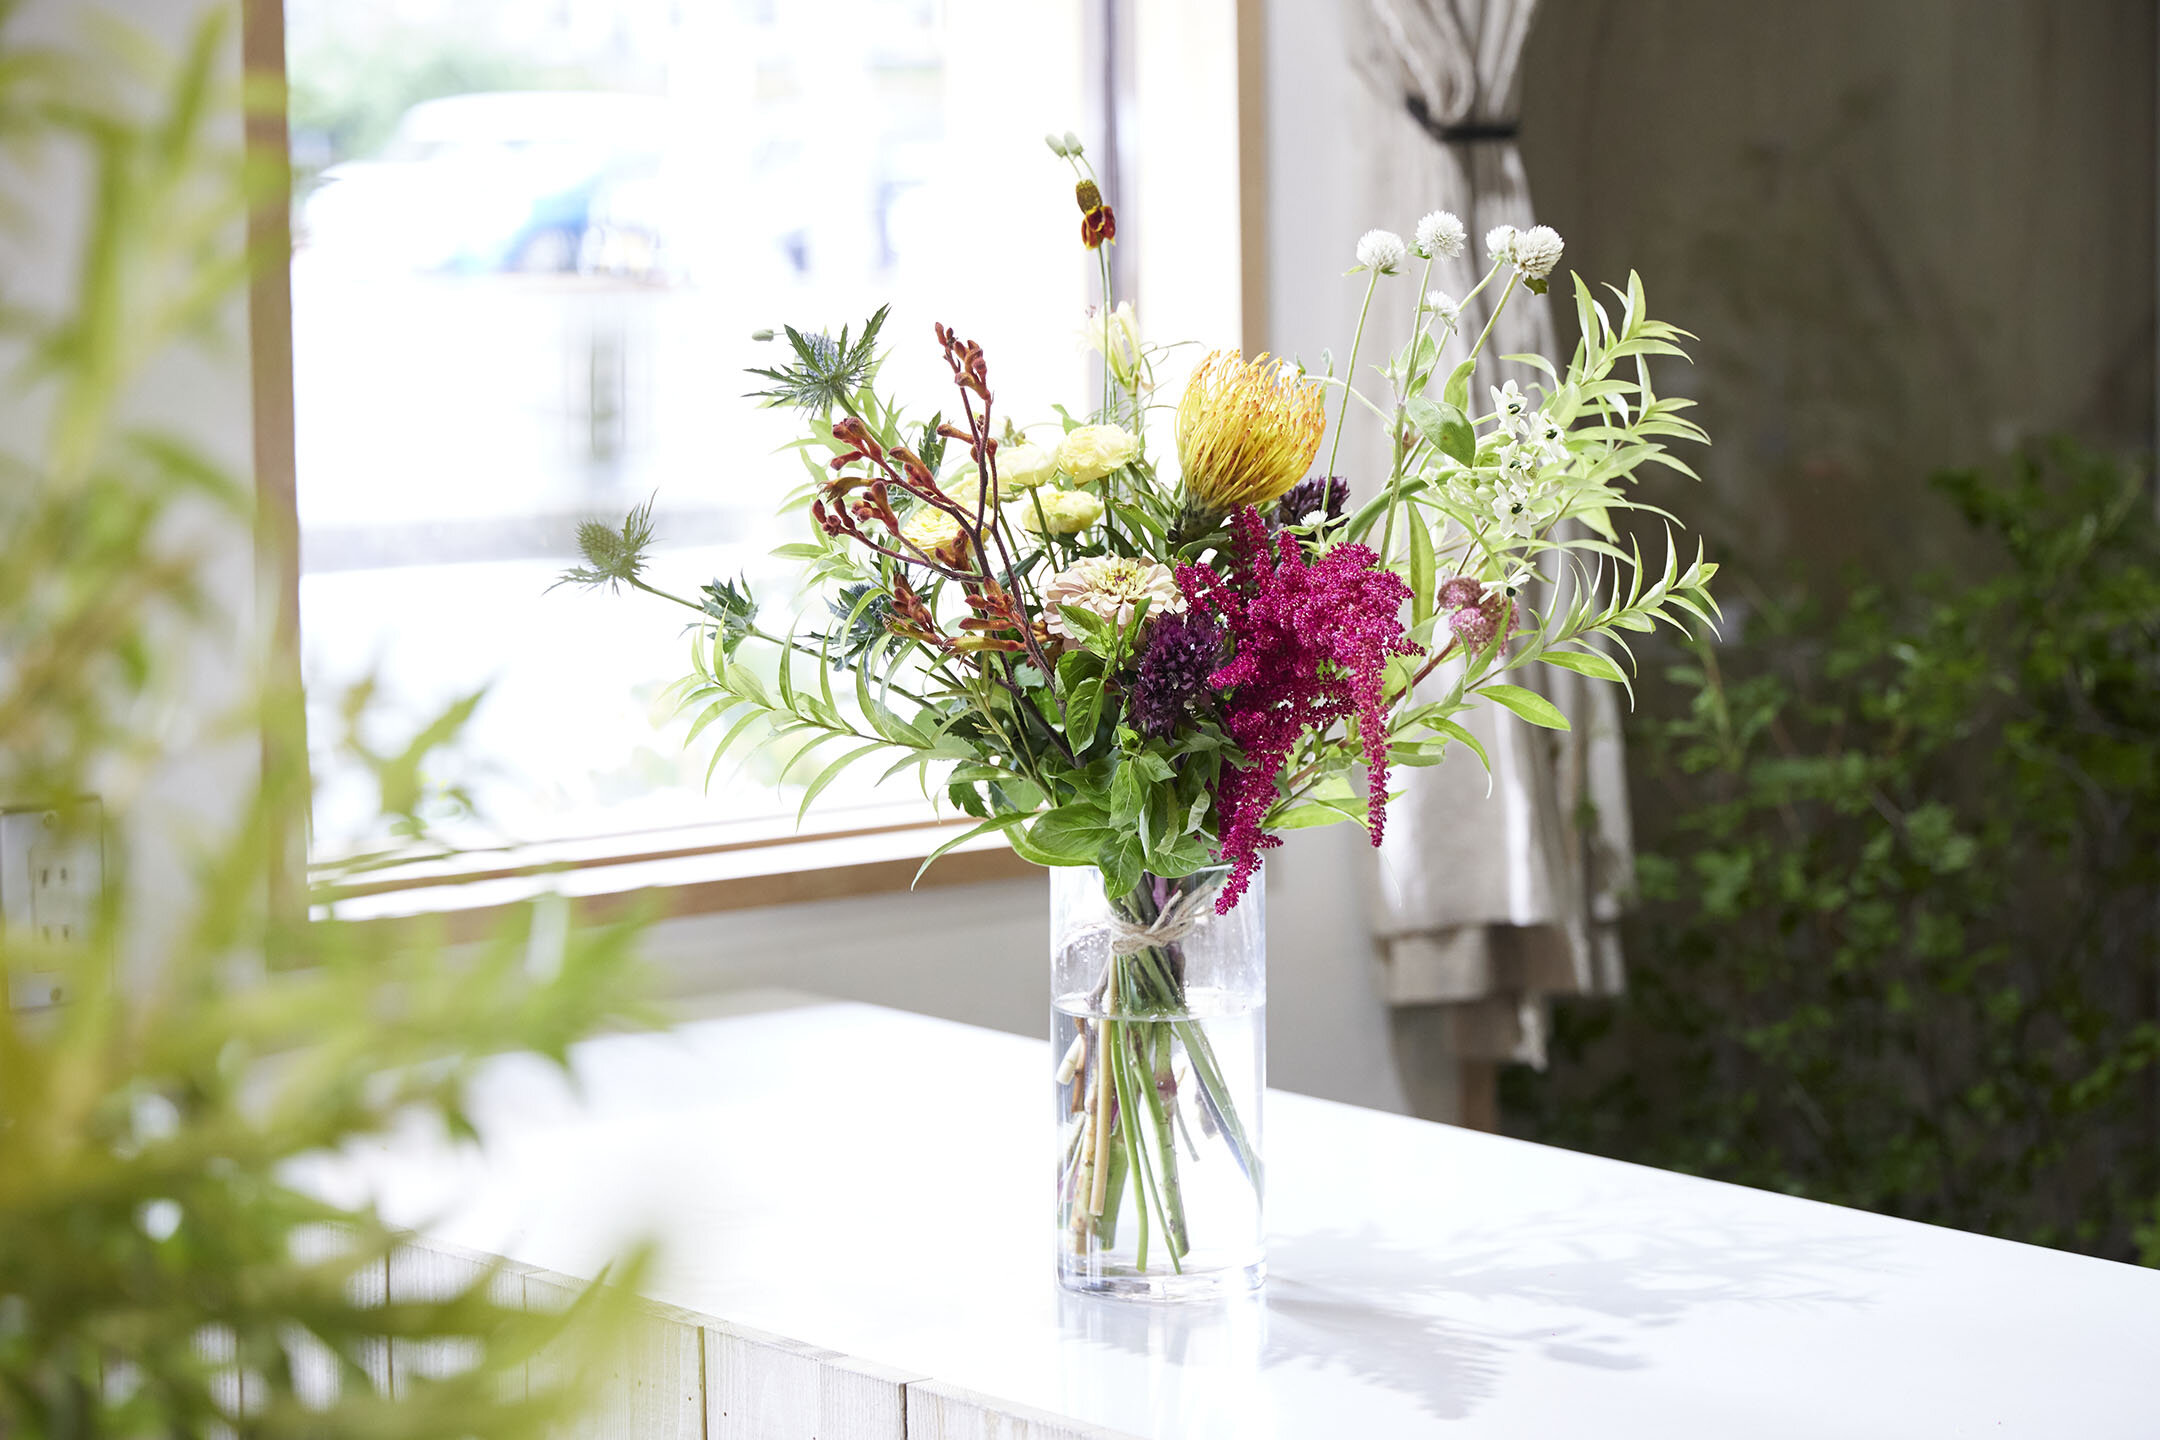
1159,1030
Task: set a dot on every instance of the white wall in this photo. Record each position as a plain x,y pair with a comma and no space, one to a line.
204,766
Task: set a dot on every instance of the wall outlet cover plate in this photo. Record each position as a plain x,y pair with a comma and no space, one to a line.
52,868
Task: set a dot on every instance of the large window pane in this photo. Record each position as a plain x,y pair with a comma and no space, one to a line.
535,239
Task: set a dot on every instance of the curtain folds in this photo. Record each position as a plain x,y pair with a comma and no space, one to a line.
1497,891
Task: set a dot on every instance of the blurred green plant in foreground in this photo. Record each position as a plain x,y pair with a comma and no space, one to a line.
157,1273
1902,950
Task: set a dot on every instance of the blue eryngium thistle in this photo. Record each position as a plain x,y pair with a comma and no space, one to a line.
862,633
827,373
613,557
732,607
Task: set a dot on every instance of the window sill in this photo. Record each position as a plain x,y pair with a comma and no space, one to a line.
708,870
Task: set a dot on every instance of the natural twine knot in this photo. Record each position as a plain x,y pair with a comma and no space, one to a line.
1187,913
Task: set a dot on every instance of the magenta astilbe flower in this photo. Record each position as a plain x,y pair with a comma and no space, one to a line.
1310,646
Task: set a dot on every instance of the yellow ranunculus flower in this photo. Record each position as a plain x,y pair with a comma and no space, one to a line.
1065,512
1246,431
1024,466
1093,451
964,482
930,530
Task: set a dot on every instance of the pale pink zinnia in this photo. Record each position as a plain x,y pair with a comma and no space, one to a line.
1109,587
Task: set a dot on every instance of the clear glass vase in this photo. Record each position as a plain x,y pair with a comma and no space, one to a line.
1159,1024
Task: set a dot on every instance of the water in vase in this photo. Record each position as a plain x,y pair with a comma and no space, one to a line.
1159,1171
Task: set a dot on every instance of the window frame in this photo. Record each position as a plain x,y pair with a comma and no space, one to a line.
603,879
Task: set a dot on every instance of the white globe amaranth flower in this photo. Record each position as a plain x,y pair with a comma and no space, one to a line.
1441,235
1110,588
1063,512
1093,451
1381,250
1024,466
1444,305
1500,243
1536,251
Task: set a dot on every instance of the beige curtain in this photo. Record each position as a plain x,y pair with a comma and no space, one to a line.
1497,891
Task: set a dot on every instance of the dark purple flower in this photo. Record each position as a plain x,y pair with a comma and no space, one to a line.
1327,494
1180,652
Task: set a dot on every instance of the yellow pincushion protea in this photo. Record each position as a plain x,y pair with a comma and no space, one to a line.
1247,431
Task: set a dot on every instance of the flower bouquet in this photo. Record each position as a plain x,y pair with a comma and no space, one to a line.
1140,656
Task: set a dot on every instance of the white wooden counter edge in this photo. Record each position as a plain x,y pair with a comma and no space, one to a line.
680,1375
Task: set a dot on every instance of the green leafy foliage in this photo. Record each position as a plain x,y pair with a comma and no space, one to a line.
1900,950
160,1273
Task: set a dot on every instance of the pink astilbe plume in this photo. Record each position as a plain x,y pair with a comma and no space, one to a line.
1310,646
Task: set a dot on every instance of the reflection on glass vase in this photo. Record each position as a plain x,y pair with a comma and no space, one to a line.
1160,1029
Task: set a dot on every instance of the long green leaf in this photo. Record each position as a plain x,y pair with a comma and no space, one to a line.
1424,582
831,773
1532,706
996,822
1586,662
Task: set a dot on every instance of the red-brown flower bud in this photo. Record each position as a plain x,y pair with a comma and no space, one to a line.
1098,227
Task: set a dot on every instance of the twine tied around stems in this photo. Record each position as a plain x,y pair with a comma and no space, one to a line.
1187,913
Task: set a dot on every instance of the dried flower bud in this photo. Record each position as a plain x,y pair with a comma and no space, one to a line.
761,334
1098,227
1073,146
1055,142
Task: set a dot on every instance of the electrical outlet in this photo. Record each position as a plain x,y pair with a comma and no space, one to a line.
52,868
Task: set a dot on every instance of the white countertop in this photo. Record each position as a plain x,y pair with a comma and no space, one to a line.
876,1183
